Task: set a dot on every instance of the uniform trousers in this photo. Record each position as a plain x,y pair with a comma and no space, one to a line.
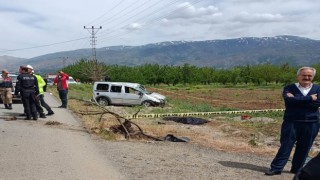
28,99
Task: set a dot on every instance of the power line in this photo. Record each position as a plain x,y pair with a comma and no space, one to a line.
46,45
143,10
115,30
112,18
152,13
113,8
149,22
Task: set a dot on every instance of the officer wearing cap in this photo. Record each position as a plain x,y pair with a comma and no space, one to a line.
27,85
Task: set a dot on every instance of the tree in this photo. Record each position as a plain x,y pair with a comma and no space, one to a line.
83,70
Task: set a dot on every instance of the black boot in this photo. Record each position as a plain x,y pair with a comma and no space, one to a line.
6,106
9,106
27,118
50,112
42,115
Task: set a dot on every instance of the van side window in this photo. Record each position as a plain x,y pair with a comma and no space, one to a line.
130,90
102,87
116,89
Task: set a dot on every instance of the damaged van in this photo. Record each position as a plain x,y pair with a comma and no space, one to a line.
123,93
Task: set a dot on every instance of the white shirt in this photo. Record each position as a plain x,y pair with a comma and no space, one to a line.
304,90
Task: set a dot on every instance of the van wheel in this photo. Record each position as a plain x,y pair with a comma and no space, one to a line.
102,101
146,103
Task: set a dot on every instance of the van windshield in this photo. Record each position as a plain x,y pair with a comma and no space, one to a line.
142,89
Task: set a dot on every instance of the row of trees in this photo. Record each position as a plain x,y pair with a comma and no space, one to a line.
153,74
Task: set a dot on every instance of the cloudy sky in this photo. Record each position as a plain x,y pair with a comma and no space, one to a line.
31,28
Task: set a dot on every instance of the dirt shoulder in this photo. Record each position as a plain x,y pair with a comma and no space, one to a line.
227,147
172,160
217,150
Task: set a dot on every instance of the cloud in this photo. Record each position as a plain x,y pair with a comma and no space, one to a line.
134,26
127,22
186,11
25,17
258,17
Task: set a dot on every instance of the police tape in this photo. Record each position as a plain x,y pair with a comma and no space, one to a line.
136,116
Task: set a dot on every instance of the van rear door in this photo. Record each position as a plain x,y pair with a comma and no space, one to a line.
115,94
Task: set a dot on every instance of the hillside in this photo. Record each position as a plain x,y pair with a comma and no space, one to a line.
11,63
215,53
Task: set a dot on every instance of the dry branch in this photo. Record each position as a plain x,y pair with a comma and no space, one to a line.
117,116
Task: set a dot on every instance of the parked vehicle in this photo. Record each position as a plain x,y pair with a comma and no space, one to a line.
123,93
72,81
50,78
50,82
14,80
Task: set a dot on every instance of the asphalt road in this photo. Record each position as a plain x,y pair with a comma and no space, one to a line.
34,150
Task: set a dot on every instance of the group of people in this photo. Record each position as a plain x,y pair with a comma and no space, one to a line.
300,127
31,86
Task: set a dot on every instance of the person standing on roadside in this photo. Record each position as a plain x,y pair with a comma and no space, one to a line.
300,121
37,99
62,86
27,85
41,84
6,87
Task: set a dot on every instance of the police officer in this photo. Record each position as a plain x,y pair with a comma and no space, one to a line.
37,100
27,85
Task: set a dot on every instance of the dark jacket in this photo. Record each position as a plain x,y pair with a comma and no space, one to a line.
26,82
301,108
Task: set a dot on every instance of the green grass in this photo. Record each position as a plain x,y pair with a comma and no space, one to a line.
84,92
80,91
76,91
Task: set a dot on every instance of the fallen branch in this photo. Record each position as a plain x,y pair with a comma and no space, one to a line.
118,117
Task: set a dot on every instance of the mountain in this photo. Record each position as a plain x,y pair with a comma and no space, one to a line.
11,63
226,53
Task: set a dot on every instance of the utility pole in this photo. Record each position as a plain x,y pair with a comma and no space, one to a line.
93,32
64,61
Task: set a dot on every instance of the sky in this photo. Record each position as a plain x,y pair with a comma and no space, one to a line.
30,28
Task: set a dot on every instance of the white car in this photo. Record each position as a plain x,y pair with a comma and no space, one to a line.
123,93
72,81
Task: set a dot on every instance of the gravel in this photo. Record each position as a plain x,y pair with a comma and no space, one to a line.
178,160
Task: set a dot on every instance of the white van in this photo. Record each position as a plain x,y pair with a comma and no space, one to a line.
123,93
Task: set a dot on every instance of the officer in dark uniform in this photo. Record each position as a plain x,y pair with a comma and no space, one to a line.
37,100
27,85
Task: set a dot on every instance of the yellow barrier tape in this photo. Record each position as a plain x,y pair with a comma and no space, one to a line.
198,113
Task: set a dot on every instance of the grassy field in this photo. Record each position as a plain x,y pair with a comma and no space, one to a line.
225,132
